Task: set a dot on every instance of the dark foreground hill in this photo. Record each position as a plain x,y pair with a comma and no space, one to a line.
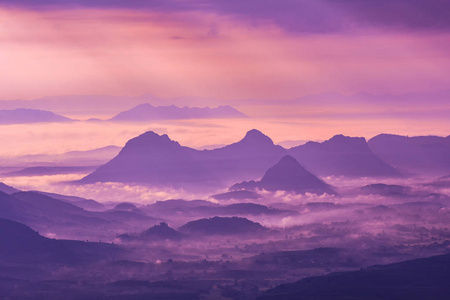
420,279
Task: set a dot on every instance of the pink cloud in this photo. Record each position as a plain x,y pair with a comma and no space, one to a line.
124,52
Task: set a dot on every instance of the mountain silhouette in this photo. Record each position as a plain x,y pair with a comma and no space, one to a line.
25,115
237,195
50,215
147,112
341,155
95,157
7,189
87,204
159,232
244,159
419,154
222,226
153,159
20,244
425,278
287,175
157,160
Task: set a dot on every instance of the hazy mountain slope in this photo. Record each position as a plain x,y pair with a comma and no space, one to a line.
147,112
419,154
22,245
152,159
341,155
24,116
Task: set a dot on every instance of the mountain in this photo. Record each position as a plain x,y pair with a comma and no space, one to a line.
7,189
387,190
157,160
93,157
342,155
160,232
246,159
153,159
22,245
240,209
52,216
425,278
237,195
87,204
42,171
222,226
418,154
24,116
147,112
288,175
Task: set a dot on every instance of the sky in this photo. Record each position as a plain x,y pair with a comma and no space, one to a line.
254,49
264,57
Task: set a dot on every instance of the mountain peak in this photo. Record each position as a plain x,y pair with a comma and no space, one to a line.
286,171
288,175
255,136
152,138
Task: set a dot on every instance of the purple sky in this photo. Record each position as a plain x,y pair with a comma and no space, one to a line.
240,53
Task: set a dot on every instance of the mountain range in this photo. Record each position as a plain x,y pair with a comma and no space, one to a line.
147,112
25,116
342,155
64,217
157,160
417,155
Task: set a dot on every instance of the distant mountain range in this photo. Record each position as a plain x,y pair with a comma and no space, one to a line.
146,112
101,104
65,216
157,160
40,171
417,155
25,116
141,113
87,158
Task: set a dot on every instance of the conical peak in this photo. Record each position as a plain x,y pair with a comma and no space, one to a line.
287,165
288,160
255,136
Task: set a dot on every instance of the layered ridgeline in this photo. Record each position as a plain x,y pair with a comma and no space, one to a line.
65,217
157,160
25,116
418,155
342,155
287,175
146,112
24,246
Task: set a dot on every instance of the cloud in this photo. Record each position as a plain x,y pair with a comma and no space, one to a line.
312,16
